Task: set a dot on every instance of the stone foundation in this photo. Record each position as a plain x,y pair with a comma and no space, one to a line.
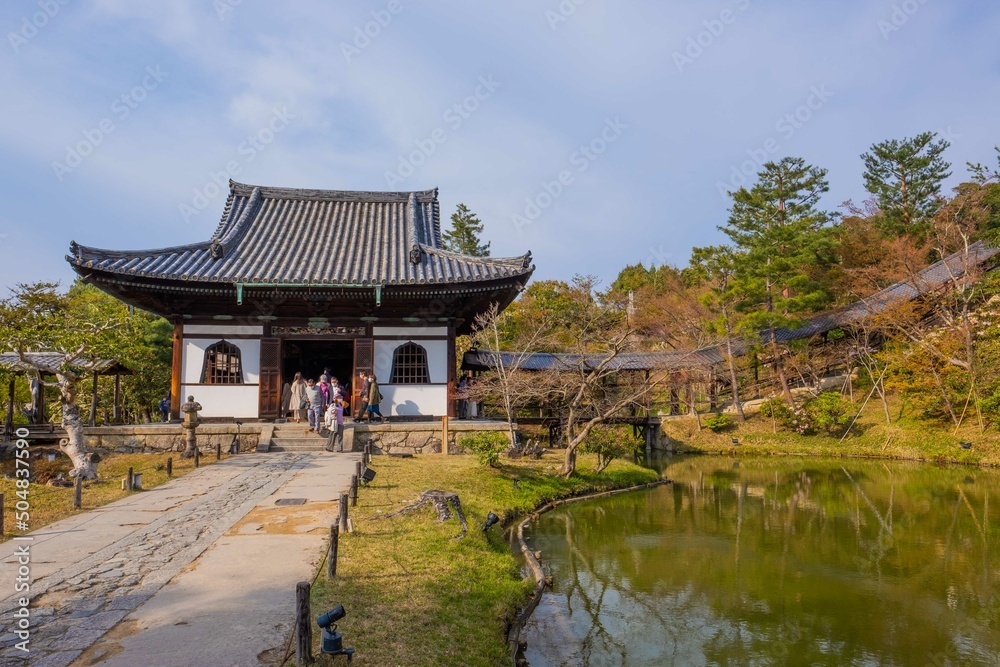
418,437
400,437
170,437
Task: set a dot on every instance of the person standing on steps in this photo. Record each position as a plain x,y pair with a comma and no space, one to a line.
374,398
363,397
314,398
298,399
335,422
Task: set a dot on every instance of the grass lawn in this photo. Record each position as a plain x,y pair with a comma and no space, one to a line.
414,594
905,438
49,503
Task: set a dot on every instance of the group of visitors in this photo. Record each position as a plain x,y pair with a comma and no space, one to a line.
325,403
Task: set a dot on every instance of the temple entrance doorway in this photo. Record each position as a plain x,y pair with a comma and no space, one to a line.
311,357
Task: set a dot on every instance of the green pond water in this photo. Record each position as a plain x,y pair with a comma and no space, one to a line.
776,562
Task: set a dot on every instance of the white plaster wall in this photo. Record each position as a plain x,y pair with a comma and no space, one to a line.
221,330
437,358
414,399
224,400
409,331
194,358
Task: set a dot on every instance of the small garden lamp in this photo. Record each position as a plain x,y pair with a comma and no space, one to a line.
333,641
491,520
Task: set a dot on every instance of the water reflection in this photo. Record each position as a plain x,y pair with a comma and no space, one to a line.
799,562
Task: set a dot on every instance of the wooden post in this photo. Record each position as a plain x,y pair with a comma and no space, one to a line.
197,455
118,398
9,423
170,466
331,556
218,451
128,483
366,458
1,515
93,403
303,625
176,367
78,492
444,435
343,513
354,490
359,468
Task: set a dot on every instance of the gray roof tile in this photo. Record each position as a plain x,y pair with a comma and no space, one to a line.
313,237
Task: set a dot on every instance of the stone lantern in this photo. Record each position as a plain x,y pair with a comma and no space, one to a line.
190,424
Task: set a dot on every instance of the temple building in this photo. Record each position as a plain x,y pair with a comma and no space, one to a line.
297,280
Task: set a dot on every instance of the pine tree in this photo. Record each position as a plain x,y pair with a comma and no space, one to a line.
780,238
463,237
905,178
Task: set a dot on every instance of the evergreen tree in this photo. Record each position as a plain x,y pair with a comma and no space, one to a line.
463,237
780,240
715,268
905,178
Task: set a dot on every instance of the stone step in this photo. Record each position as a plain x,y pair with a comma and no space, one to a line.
297,448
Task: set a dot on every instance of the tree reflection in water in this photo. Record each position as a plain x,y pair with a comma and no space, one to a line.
775,562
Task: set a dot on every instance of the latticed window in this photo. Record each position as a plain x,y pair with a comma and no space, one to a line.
409,365
222,364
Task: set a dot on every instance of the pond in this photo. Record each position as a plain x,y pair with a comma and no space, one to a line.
786,561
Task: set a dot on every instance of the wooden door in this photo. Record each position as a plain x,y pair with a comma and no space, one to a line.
364,358
269,406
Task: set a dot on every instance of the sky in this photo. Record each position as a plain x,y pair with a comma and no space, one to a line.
594,133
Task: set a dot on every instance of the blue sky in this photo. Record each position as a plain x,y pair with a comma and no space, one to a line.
594,133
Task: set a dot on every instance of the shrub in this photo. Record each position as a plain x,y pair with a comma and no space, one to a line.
609,443
486,445
830,411
719,422
776,408
796,419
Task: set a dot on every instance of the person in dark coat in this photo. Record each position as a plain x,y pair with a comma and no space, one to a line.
374,398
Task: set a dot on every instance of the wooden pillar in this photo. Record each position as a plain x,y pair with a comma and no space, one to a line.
93,403
713,390
444,435
175,372
118,398
40,409
9,422
452,372
675,400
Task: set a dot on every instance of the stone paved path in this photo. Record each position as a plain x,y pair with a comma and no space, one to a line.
84,595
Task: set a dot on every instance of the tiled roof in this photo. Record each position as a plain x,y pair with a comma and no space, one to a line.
313,237
928,280
49,362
